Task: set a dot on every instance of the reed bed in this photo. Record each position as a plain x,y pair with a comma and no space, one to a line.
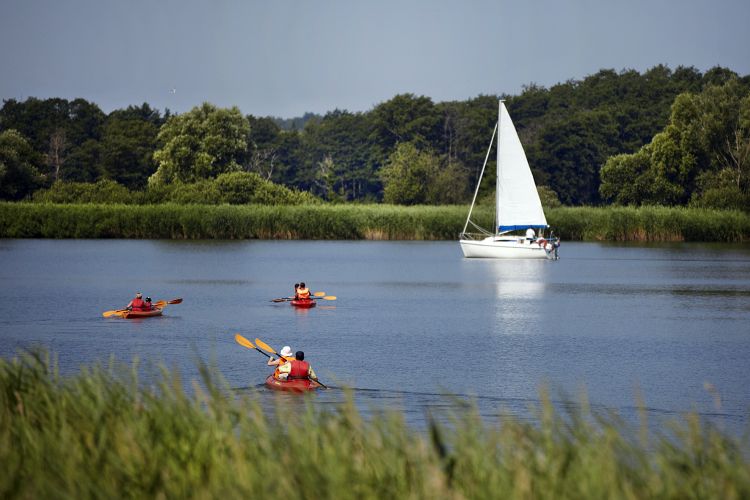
353,221
104,434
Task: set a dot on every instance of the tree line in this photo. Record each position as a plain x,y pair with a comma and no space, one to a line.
661,137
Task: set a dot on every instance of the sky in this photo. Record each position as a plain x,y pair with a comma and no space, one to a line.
287,57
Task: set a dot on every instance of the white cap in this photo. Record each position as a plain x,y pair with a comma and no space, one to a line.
286,351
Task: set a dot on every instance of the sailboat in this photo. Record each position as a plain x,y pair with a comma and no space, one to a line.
517,205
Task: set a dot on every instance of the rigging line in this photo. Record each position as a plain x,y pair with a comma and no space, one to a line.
476,191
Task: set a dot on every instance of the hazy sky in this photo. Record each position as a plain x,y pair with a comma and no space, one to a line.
285,57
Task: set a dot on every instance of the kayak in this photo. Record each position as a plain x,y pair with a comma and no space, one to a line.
142,314
303,303
298,385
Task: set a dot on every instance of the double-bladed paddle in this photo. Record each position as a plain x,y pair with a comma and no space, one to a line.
316,295
268,348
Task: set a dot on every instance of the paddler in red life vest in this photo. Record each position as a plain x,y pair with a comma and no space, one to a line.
298,368
137,304
286,357
148,306
303,292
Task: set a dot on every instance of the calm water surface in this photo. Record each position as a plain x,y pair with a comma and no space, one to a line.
413,320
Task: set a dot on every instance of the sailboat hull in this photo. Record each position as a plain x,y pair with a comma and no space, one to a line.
494,248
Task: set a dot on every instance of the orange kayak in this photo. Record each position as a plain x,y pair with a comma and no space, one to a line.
142,314
298,385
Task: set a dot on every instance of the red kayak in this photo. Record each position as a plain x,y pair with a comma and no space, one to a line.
142,314
298,385
303,303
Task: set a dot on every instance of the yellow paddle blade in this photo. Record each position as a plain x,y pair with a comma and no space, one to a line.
119,312
329,297
319,294
265,346
243,341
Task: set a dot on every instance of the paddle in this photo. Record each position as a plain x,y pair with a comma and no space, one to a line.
282,299
268,348
162,303
246,343
317,295
121,312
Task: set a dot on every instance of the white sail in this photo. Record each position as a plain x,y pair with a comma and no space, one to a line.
517,203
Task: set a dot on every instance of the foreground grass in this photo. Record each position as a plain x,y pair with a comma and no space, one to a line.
101,434
374,222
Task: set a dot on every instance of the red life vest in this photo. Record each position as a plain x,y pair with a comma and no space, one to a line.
138,305
300,369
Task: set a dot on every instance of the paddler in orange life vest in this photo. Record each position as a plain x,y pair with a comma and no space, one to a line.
286,357
303,292
298,368
137,304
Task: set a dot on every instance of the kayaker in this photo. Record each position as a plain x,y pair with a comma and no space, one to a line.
296,287
137,304
303,292
286,357
298,368
149,306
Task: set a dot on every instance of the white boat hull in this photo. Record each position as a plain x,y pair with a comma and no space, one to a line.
494,248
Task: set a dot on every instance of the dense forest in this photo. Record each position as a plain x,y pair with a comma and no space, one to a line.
671,137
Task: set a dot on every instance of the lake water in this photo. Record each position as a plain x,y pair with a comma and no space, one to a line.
413,320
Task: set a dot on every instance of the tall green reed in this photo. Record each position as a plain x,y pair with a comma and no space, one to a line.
103,433
352,221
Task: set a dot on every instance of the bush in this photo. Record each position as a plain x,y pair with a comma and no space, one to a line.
103,191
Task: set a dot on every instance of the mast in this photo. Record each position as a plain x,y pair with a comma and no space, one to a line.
497,168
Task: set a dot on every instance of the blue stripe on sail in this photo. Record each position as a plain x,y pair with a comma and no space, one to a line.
516,228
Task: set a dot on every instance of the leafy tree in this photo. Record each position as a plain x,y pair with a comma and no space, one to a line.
407,175
201,144
339,161
58,128
692,155
570,152
449,186
127,149
19,174
404,118
548,197
263,146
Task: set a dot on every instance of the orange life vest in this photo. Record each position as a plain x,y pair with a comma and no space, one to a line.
276,372
303,293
